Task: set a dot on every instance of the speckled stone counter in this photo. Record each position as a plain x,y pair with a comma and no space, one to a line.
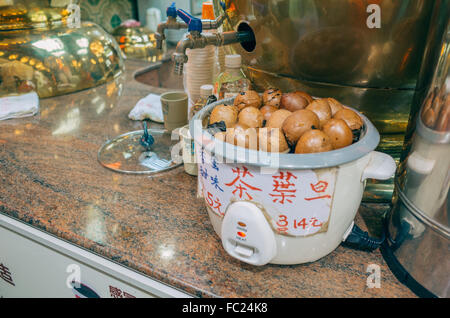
50,179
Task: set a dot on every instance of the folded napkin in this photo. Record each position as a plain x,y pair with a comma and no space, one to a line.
148,107
19,106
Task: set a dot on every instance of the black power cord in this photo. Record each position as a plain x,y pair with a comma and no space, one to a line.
359,239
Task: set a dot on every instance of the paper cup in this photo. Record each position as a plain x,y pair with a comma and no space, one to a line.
175,109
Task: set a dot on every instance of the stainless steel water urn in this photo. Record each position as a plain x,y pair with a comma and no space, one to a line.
417,248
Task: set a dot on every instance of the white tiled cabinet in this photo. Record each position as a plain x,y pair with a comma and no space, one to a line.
35,264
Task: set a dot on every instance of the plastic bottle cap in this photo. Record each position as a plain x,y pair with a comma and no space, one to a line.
233,61
206,90
208,11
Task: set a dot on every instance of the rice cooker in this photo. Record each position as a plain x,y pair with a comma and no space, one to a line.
283,208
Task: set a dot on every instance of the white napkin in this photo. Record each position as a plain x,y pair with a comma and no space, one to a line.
148,107
19,106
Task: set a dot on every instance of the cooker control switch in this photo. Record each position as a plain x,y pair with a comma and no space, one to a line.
245,251
246,234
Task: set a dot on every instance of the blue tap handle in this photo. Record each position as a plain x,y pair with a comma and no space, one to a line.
194,24
223,5
172,11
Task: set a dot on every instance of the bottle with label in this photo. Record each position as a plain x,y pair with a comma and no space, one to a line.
206,97
232,81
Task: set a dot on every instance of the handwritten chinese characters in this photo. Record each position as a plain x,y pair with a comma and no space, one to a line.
214,203
283,189
241,187
301,223
295,202
319,187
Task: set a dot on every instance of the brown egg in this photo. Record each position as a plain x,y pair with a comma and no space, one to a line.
277,118
298,123
294,101
321,108
429,117
228,114
251,117
272,140
312,141
443,122
247,99
340,134
305,96
334,105
242,137
351,118
267,111
272,97
240,126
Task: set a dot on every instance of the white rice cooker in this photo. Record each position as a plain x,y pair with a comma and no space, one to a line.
284,208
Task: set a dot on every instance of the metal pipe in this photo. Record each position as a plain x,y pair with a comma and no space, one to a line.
213,24
171,24
196,40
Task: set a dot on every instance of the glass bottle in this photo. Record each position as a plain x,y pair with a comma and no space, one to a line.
205,92
232,81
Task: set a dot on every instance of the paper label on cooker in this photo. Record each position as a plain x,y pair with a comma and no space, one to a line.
297,202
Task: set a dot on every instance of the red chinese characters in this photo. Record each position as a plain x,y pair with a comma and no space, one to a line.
303,223
214,203
282,224
319,187
241,187
283,188
315,222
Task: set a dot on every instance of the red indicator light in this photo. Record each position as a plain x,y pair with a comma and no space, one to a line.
241,234
242,224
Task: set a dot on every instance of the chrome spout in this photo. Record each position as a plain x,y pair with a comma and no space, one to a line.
214,24
170,24
173,24
196,40
179,56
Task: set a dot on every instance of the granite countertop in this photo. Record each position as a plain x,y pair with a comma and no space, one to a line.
51,179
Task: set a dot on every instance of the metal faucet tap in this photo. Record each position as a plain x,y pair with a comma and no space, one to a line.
196,40
173,24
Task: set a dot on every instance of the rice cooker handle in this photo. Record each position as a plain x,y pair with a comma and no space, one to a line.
381,167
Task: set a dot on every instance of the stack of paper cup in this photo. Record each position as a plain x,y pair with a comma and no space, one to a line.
199,70
220,56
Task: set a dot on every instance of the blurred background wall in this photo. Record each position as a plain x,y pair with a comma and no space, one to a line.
109,13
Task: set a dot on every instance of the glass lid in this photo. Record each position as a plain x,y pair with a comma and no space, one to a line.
139,153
